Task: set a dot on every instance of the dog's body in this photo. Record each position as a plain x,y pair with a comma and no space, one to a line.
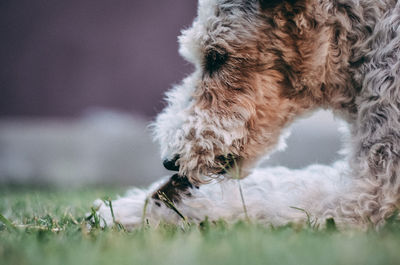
260,64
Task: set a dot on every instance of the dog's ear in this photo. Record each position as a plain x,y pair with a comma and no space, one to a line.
266,4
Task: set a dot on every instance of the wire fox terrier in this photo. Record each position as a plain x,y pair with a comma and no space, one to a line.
259,65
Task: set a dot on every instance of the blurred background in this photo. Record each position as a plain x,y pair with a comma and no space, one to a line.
81,79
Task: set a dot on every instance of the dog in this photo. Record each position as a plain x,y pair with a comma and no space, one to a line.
260,65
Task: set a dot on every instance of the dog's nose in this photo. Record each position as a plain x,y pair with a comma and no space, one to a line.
170,164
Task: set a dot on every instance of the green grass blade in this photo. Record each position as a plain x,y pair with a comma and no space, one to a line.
7,222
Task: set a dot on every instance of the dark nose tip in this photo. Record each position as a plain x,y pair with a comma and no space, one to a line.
170,164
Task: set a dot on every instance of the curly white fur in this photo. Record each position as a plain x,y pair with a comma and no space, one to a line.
271,196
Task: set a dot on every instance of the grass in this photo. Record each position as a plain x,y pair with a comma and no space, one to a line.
48,227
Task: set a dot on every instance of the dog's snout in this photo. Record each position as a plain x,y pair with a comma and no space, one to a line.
170,164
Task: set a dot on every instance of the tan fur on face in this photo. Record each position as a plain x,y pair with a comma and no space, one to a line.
274,72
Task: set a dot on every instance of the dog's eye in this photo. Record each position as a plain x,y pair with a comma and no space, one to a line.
214,60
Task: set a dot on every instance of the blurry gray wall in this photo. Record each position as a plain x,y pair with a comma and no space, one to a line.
102,147
113,148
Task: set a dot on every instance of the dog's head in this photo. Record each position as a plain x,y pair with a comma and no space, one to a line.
258,65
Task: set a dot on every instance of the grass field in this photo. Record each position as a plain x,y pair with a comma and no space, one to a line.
51,229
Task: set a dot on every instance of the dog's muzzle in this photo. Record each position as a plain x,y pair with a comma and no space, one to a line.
224,162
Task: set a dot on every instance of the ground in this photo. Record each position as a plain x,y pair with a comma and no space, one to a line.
51,229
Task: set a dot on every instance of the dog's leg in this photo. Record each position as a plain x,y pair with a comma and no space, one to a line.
376,134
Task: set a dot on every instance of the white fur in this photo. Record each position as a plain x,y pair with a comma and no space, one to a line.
269,196
169,123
